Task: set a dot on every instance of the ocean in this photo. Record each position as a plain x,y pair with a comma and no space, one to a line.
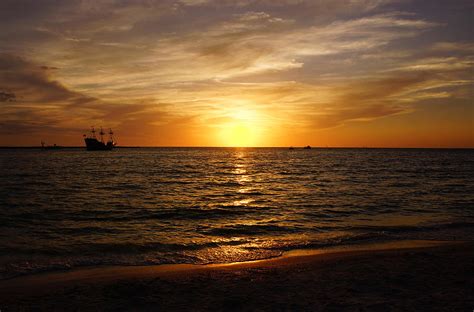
61,209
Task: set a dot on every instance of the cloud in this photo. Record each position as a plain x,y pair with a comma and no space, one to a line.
439,64
334,5
246,44
367,99
110,34
467,47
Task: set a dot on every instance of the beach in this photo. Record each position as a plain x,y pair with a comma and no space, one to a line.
408,276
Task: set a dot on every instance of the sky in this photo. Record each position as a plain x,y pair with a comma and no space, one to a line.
371,73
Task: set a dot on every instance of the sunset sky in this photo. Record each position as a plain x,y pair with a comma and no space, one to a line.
376,73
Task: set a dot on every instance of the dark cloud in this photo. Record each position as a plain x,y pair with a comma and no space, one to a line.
30,82
36,103
6,96
48,67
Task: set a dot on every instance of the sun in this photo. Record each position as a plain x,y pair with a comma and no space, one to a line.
237,135
242,129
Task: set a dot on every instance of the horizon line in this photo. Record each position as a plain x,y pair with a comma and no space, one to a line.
287,147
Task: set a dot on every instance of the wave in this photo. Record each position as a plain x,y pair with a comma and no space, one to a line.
241,229
92,248
412,228
15,261
113,215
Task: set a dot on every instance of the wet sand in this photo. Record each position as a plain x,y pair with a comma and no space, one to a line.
409,276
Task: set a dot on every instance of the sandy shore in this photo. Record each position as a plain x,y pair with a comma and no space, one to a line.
410,275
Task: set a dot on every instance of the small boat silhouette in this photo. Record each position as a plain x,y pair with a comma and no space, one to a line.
50,147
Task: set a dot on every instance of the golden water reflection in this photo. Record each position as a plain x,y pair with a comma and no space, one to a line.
242,177
242,202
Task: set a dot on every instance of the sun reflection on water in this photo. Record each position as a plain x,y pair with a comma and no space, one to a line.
242,177
243,202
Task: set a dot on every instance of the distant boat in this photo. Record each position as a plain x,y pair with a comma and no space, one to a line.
50,147
291,148
93,144
307,147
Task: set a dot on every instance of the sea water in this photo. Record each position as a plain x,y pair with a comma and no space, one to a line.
65,208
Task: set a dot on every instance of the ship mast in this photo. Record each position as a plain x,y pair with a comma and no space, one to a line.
101,135
111,134
93,132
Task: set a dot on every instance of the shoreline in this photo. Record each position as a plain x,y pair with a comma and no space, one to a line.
111,272
169,284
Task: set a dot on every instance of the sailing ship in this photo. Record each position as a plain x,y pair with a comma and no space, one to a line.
93,144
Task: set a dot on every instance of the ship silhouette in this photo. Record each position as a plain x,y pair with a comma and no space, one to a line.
93,144
49,147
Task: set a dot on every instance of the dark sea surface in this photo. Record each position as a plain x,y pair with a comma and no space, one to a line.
65,208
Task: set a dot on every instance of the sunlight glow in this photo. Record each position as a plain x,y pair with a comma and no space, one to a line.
243,129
